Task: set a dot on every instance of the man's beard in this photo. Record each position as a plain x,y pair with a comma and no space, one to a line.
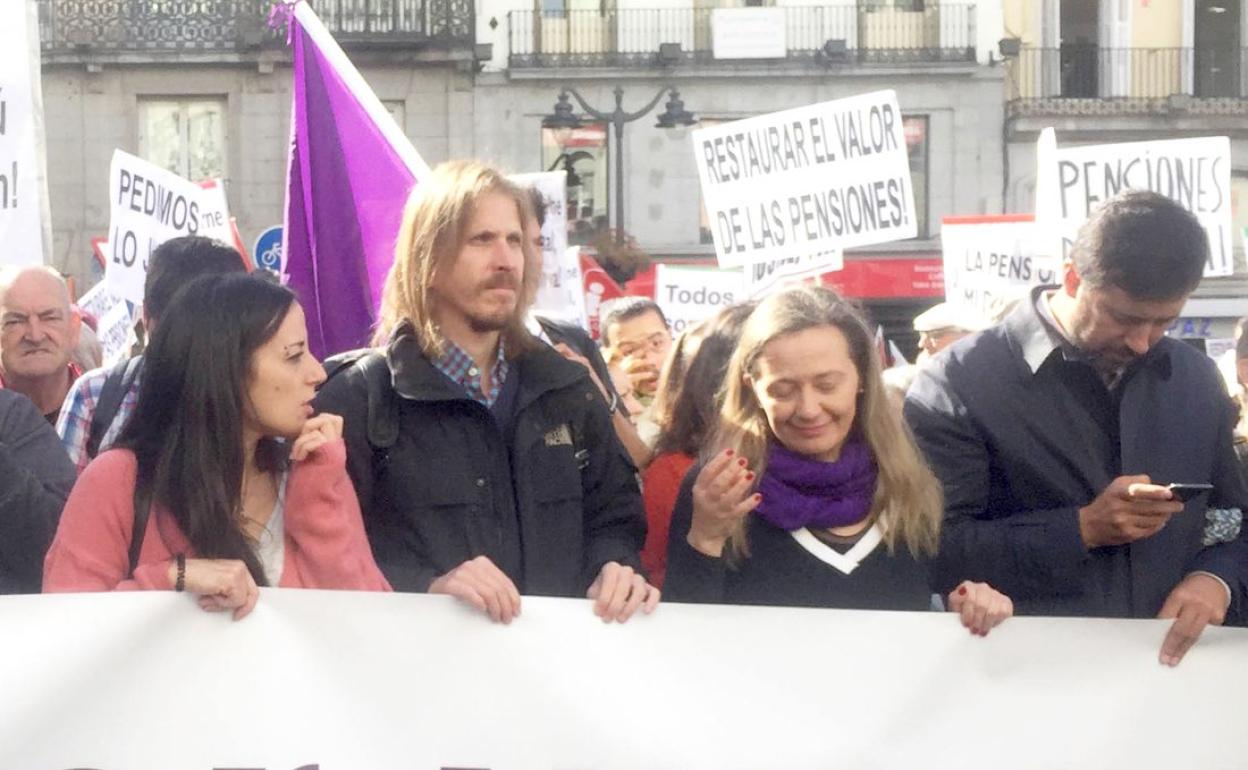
498,320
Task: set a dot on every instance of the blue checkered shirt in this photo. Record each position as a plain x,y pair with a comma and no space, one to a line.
74,423
462,370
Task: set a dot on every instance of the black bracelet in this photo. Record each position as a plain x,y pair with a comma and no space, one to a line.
180,584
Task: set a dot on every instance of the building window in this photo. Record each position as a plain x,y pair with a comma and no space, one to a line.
185,136
582,154
915,128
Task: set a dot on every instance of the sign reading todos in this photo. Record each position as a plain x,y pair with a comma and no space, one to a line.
808,180
989,260
688,295
1194,172
148,206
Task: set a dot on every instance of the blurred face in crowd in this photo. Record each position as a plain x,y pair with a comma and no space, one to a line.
1113,327
481,289
640,345
936,340
283,380
807,385
39,329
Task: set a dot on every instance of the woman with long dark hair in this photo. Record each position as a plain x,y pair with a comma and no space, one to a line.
222,472
687,414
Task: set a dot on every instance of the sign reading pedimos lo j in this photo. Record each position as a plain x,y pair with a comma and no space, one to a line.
814,179
148,206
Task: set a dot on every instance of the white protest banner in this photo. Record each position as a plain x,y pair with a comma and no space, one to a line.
114,321
688,295
762,277
991,259
808,180
148,206
327,680
1194,172
560,295
24,221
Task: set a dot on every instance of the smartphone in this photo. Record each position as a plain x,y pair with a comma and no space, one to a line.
1186,492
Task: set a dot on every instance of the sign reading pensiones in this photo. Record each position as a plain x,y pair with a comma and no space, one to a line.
808,180
689,295
1194,172
148,206
992,260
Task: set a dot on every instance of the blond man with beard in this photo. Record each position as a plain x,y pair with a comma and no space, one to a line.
502,475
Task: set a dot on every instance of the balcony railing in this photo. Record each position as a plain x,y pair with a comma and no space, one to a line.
223,25
836,34
1085,79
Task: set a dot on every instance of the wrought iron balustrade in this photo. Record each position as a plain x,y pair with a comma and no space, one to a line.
1089,79
223,25
852,34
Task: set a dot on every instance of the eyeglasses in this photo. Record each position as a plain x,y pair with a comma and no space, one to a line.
655,343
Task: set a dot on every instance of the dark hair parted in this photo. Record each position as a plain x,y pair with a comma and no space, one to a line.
687,420
187,427
1143,243
626,309
177,262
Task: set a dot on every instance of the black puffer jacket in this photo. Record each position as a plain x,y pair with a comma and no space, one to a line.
550,506
35,478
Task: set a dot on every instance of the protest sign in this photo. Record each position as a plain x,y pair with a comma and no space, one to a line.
24,222
114,321
145,680
1196,173
762,277
148,206
990,260
560,294
804,181
687,295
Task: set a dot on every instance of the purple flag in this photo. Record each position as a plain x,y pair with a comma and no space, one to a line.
351,169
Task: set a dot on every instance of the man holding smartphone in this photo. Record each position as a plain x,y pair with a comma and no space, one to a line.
1057,433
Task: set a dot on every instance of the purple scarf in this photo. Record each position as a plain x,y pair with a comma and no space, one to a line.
799,491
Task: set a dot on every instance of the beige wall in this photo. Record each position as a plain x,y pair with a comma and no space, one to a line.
1022,20
1157,24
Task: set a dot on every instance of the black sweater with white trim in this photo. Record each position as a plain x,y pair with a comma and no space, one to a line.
780,571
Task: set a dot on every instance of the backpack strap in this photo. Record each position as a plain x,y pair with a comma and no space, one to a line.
116,386
142,510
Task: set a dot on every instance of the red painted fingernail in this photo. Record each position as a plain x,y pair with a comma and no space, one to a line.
758,498
749,476
741,462
961,590
728,452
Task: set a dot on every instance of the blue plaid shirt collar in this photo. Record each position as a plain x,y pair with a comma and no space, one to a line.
459,367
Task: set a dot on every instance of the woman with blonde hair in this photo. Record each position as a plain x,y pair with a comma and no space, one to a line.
815,493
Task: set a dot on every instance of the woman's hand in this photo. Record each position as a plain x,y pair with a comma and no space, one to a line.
721,499
980,606
317,432
222,584
619,590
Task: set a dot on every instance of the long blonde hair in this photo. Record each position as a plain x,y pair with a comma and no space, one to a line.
434,229
908,502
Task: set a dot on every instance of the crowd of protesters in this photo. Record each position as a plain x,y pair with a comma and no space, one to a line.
761,457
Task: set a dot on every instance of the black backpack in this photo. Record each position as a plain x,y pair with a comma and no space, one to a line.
118,383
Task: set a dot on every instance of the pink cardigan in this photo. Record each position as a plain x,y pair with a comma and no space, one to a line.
325,542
